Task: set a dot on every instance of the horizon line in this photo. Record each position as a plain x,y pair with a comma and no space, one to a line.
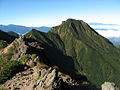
90,23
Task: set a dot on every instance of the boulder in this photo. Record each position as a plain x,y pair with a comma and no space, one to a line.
109,86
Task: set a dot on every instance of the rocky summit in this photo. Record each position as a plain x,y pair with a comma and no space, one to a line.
71,56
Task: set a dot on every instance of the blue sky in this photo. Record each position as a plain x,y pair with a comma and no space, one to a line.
52,12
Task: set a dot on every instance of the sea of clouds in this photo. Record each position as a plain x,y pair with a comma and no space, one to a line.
110,31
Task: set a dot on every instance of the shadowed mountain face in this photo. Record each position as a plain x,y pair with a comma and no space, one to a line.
79,50
6,37
54,51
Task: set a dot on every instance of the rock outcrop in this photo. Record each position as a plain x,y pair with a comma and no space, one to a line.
17,47
36,78
5,50
109,86
21,49
32,79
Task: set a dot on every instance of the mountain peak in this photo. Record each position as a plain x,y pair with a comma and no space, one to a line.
81,31
70,20
78,28
76,24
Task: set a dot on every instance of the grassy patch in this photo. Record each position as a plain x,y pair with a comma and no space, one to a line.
3,44
24,58
9,70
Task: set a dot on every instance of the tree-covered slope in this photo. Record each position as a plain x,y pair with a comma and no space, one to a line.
77,49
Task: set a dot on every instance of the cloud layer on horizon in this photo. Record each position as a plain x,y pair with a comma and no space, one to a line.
109,33
107,30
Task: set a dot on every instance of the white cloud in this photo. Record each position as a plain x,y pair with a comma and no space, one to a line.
109,33
108,27
107,30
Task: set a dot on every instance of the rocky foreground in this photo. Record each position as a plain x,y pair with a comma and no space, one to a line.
36,78
41,79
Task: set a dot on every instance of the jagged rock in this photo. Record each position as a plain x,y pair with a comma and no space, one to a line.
109,86
36,45
22,48
46,79
36,59
31,79
36,79
19,48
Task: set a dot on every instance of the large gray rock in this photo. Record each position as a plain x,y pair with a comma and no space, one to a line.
109,86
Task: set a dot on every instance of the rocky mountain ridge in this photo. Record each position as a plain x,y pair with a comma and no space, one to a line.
34,76
72,56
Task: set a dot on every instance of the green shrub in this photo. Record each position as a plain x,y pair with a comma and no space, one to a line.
2,44
7,56
33,56
9,70
24,58
4,58
2,89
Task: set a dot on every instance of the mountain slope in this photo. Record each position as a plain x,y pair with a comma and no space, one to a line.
93,54
13,34
22,67
79,50
6,37
54,50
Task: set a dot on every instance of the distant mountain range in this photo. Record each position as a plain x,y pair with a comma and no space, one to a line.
22,29
99,27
